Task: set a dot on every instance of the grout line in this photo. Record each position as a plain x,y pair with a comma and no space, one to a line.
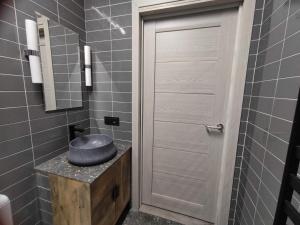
109,40
106,29
14,154
50,141
23,193
16,168
52,152
44,188
19,210
247,210
35,3
265,50
249,197
3,21
82,8
25,220
44,211
273,10
18,182
42,199
270,115
70,11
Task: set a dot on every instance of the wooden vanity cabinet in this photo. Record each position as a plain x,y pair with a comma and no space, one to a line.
99,203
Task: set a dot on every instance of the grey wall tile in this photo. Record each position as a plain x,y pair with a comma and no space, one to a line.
278,147
272,102
7,13
271,7
45,136
280,128
293,24
10,66
270,55
122,76
273,37
284,108
274,165
267,72
16,175
264,89
259,119
123,20
121,9
17,189
121,43
291,45
15,130
14,146
276,18
75,8
8,31
101,24
88,4
264,213
92,14
288,88
16,160
11,83
13,115
290,66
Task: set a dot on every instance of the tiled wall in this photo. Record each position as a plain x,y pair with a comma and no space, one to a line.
28,135
270,96
108,32
245,107
44,199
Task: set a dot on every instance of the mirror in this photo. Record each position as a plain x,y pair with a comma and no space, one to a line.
60,57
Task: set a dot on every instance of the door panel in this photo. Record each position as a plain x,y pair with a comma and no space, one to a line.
187,68
191,108
173,186
181,163
186,77
202,43
186,137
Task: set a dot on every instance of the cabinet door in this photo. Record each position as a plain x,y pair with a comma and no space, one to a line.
70,201
102,202
123,182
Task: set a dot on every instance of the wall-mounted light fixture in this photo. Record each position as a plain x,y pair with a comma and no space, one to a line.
32,51
87,66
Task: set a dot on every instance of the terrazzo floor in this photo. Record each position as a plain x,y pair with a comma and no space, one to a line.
139,218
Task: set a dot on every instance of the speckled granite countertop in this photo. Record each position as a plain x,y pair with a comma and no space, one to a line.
61,167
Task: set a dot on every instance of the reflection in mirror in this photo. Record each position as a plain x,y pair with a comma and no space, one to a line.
60,55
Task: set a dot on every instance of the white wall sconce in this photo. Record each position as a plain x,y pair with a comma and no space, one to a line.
87,66
32,51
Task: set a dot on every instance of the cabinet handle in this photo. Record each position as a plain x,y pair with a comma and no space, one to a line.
115,192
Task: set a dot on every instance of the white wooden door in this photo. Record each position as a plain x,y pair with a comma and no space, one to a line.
187,67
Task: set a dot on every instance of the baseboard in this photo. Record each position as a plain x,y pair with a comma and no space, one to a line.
176,217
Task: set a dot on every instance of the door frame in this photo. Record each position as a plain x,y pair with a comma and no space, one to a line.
143,9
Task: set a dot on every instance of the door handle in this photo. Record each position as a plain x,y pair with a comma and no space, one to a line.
218,128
